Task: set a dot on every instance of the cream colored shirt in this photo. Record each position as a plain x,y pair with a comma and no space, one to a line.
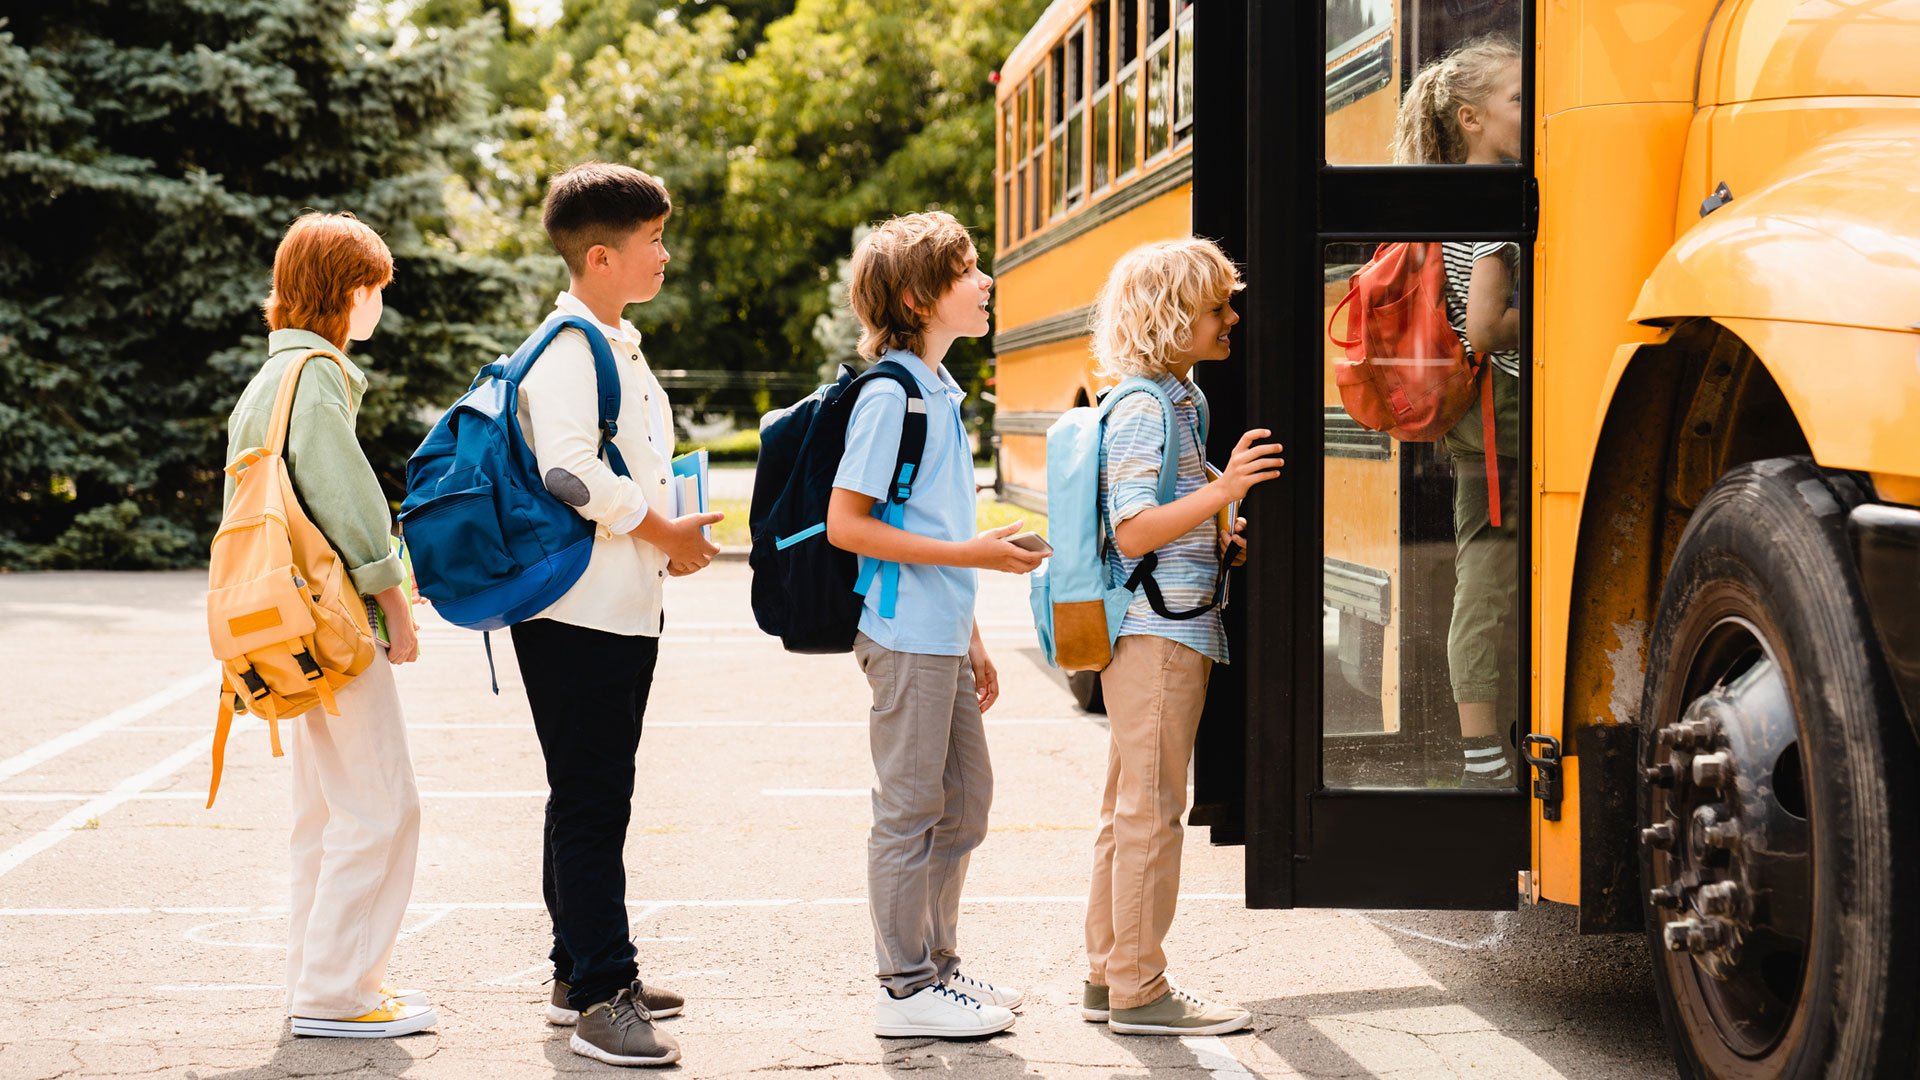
620,592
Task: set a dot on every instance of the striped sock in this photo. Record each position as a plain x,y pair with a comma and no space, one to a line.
1486,757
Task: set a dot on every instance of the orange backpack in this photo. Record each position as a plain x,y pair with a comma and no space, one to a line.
285,621
1407,372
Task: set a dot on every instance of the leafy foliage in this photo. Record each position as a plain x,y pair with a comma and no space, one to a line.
151,154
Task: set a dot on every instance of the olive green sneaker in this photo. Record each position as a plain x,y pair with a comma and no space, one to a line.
1178,1013
621,1032
661,1002
1093,1003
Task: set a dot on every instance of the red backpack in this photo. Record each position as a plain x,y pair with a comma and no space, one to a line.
1407,372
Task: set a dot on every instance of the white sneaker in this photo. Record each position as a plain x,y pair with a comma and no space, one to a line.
937,1011
986,993
391,1019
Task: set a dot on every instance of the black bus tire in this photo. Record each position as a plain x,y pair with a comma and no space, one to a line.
1762,629
1085,687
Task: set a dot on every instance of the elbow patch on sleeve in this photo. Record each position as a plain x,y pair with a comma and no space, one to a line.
567,487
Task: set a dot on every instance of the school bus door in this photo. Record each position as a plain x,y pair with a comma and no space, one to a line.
1332,743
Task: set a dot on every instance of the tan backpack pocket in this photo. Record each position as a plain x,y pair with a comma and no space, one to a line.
268,610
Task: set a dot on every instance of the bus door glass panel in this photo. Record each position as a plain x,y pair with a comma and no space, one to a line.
1374,50
1421,613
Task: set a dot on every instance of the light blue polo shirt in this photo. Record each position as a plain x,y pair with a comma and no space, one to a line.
933,612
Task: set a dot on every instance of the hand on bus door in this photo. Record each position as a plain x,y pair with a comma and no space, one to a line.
1250,464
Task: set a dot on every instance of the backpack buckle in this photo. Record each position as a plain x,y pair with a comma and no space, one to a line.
902,492
256,685
307,665
609,428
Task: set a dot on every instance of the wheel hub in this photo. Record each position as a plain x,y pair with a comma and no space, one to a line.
1729,844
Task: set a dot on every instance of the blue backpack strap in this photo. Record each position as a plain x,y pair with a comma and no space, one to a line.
906,469
606,375
1169,449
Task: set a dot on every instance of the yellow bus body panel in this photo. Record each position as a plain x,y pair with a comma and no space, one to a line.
1070,276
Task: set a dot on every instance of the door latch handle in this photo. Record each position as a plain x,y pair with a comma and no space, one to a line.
1546,772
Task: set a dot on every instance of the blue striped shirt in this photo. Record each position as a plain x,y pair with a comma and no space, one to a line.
1131,448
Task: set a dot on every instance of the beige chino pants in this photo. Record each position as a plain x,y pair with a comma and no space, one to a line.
1154,690
356,832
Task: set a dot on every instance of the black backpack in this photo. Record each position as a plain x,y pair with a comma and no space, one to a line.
806,592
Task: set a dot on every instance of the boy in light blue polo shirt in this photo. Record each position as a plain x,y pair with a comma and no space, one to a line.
916,288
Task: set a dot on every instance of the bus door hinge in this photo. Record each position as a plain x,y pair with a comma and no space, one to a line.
1546,772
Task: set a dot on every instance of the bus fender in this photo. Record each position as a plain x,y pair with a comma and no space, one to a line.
1832,238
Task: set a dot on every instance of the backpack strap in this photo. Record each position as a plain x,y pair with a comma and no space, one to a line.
606,373
1493,455
283,399
906,469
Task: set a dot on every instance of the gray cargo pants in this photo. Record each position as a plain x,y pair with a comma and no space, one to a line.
932,791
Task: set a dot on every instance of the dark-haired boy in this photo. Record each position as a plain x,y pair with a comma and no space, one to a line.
588,660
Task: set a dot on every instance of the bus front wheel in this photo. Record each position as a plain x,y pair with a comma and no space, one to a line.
1776,790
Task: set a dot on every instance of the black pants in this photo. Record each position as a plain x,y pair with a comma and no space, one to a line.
588,690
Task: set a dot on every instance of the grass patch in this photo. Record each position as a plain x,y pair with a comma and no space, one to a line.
992,513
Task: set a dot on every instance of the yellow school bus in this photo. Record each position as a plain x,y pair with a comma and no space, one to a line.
1714,549
1095,128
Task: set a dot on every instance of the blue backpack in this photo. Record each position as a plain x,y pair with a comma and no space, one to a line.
1076,608
806,592
490,545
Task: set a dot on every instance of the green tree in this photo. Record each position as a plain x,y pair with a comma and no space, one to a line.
151,154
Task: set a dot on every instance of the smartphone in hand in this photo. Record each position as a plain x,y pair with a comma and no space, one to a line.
1032,541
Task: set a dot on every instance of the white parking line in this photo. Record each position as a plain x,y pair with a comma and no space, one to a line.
118,718
93,808
758,725
1215,1056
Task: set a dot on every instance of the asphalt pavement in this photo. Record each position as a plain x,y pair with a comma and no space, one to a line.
143,936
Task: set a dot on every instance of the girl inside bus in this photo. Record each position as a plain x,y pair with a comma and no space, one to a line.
1465,109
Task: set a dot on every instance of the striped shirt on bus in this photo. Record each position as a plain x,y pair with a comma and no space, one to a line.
1460,258
1130,456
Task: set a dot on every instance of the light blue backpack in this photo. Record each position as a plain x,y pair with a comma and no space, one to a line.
1076,608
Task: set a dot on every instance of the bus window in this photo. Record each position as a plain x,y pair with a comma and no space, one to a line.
1420,619
1183,71
1008,128
1022,144
1036,148
1074,79
1127,118
1159,76
1367,75
1100,131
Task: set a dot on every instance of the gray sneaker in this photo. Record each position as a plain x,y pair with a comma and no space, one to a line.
1178,1013
1093,1003
621,1032
661,1003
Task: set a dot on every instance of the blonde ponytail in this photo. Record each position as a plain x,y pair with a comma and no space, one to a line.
1427,130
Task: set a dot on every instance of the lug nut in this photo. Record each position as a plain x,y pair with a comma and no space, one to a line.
1713,770
1658,836
1721,898
1705,935
1725,835
1660,775
1677,934
1664,896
